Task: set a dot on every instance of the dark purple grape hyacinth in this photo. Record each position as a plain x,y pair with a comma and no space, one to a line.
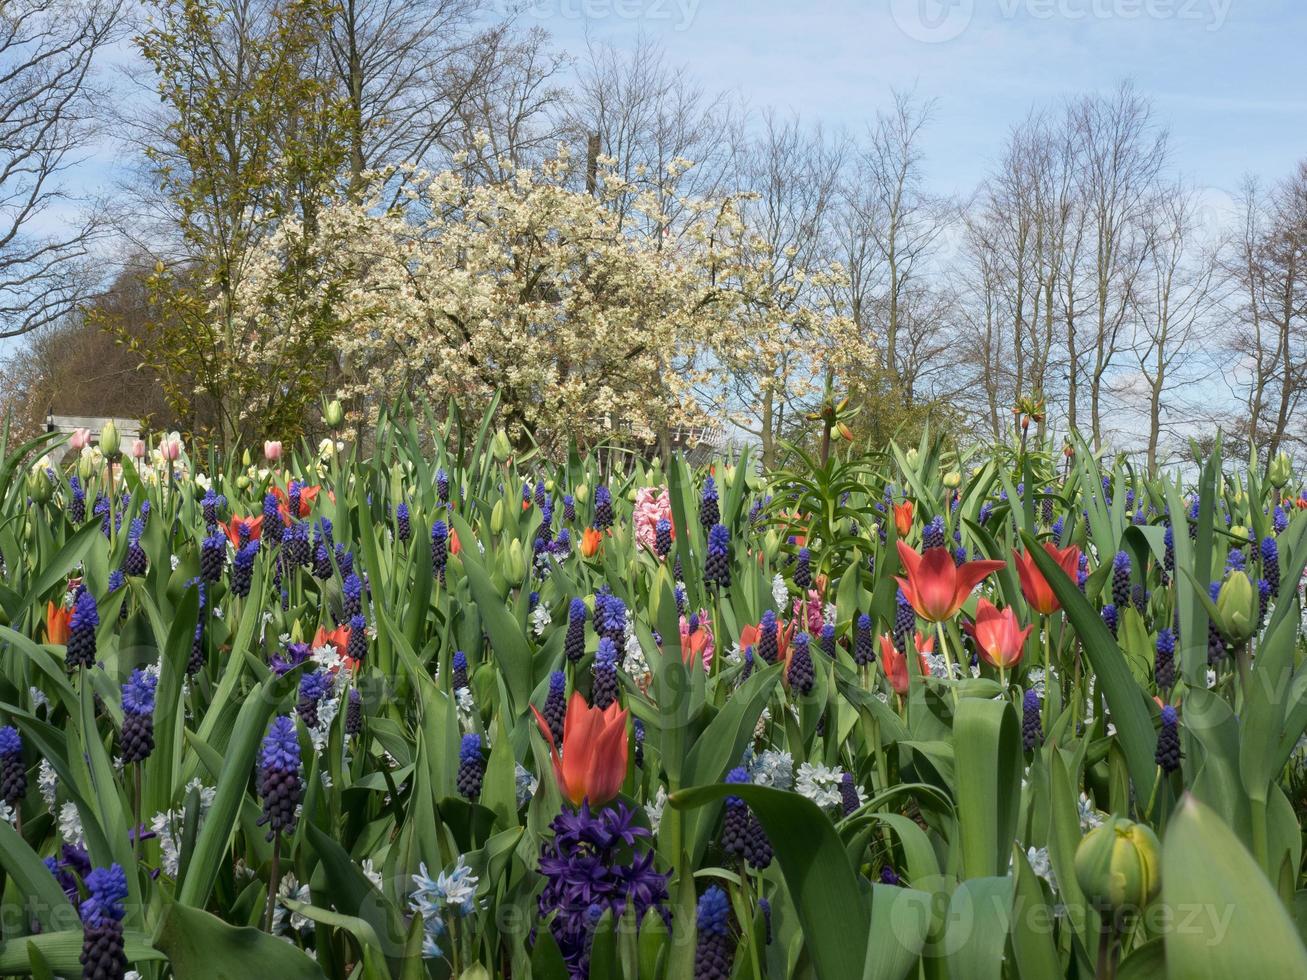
242,569
709,511
403,523
439,549
1032,726
13,773
1164,661
1168,742
354,713
314,687
637,736
104,954
800,673
471,767
662,537
136,740
604,690
864,648
569,508
281,784
356,648
458,670
196,662
717,564
213,557
803,569
593,865
574,640
1121,580
905,621
768,642
1271,565
351,594
714,951
603,512
828,640
77,503
1110,617
610,618
271,519
135,562
848,794
82,624
555,712
742,833
295,544
932,535
442,486
1216,646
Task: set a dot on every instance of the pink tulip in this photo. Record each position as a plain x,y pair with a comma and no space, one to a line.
80,439
272,451
170,448
138,449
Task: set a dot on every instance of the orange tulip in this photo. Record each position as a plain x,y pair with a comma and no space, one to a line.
455,546
903,518
57,620
338,638
1033,584
896,664
252,525
935,586
590,539
998,637
592,764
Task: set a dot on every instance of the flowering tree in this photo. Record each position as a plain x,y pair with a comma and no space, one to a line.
524,289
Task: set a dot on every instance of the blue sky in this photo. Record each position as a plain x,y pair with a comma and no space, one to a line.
1225,75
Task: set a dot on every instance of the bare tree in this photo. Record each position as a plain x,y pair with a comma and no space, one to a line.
47,123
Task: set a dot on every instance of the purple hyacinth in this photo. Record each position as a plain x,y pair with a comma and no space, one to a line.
717,564
471,766
1168,742
800,673
295,543
458,670
610,618
104,955
271,520
574,640
768,643
356,648
1271,565
351,592
1110,617
593,865
1164,662
932,535
213,557
742,835
849,801
280,782
662,537
714,951
137,737
709,512
555,712
905,621
403,522
569,508
864,649
314,687
803,569
828,640
242,569
1121,567
296,654
82,624
135,562
1279,520
13,773
1168,557
603,512
604,690
1032,726
442,486
76,505
439,548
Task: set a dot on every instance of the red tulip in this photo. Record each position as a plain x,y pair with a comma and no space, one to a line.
232,528
936,586
57,623
896,664
1033,584
592,764
903,518
999,638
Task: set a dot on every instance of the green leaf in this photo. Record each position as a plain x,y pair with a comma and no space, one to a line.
61,952
979,915
1234,923
201,946
987,767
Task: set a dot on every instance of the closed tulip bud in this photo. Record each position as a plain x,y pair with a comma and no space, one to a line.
1279,471
728,474
581,493
1238,606
549,486
1239,531
38,485
497,517
913,456
1118,865
110,442
243,482
85,468
334,413
630,495
138,449
245,459
952,479
500,447
516,567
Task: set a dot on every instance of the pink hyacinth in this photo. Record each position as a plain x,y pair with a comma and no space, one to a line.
815,613
652,504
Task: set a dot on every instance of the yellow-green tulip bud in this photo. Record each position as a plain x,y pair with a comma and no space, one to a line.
497,517
952,479
549,486
243,482
500,447
334,413
1238,605
516,567
913,456
38,485
1279,471
581,493
110,443
1118,865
